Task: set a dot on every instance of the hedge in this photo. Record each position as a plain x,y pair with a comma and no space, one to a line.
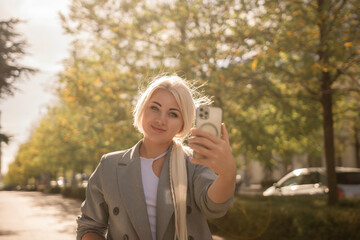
73,192
305,217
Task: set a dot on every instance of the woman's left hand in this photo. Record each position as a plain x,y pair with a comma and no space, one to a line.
214,152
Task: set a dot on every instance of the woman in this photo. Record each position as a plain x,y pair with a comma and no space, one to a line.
156,190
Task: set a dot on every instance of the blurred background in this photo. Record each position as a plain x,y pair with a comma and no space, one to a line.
286,74
46,46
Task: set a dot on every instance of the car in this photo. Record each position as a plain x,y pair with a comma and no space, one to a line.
312,181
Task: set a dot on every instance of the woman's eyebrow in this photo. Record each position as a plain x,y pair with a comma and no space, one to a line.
174,109
171,109
157,103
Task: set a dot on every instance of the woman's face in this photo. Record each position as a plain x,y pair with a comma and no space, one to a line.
162,118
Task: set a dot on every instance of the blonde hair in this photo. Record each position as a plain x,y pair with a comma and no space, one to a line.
188,99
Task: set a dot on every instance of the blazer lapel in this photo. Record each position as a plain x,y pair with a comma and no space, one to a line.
132,193
165,208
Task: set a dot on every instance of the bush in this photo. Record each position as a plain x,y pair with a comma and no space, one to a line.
73,192
257,217
56,189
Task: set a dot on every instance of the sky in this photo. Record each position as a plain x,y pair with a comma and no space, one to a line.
47,47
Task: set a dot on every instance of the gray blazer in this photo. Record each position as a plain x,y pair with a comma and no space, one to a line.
115,201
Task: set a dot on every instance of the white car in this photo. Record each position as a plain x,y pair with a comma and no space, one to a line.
312,181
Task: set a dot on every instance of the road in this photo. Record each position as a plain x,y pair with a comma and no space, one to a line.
34,215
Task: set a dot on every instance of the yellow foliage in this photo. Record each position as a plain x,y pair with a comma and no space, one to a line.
108,90
315,66
97,81
302,22
97,98
254,64
284,56
104,150
70,99
222,77
348,44
282,87
192,62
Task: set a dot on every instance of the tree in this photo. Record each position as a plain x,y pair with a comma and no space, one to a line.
11,50
208,41
4,138
312,48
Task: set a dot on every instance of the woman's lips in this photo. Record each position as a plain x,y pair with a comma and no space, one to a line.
156,129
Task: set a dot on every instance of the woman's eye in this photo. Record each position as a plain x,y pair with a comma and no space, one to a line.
172,114
154,108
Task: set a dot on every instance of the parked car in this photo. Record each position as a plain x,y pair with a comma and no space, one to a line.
312,181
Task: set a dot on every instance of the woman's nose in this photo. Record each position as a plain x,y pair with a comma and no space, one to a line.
161,119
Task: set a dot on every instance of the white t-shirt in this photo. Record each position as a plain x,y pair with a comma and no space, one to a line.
150,183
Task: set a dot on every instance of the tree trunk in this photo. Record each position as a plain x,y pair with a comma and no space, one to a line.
357,146
326,101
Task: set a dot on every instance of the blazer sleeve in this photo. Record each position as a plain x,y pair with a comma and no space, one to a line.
94,210
202,179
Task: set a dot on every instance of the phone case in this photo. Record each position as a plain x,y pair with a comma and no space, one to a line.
208,119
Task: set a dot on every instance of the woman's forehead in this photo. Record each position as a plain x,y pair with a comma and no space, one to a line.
164,97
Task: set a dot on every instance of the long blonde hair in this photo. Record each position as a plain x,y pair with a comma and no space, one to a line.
188,99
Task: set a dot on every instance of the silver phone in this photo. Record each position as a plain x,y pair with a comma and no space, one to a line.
208,119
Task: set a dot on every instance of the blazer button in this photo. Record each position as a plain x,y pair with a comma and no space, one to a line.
125,237
190,238
116,211
188,209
